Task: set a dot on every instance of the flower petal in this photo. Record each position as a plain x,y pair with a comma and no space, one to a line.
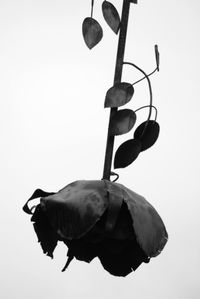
75,209
148,226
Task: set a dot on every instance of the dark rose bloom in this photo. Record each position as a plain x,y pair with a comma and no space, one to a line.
99,219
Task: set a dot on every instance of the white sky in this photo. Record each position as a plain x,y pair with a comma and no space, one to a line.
53,131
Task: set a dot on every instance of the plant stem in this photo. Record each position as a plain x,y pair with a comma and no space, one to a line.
147,106
145,77
117,79
149,83
92,7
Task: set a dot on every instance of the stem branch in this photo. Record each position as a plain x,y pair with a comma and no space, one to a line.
149,83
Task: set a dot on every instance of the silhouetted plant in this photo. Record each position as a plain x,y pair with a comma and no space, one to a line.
101,218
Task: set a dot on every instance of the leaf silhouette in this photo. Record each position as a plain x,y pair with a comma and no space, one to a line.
122,122
92,32
147,133
111,16
119,94
127,153
157,54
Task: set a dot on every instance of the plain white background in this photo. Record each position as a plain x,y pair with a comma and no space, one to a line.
53,131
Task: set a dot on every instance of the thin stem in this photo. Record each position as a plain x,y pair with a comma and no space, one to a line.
149,83
117,79
147,106
145,77
92,7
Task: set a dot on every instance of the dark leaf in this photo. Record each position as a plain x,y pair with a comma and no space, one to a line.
134,1
111,16
157,57
119,95
147,133
122,122
92,32
127,153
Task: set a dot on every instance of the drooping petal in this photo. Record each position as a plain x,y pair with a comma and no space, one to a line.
115,200
37,193
75,209
121,263
148,226
47,237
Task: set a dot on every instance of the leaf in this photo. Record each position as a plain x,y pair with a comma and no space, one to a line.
92,32
147,133
111,16
157,57
119,95
122,122
134,1
127,153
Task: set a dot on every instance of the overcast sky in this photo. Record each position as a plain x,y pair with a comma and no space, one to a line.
53,132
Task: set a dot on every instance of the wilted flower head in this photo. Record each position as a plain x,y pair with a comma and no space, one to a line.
99,219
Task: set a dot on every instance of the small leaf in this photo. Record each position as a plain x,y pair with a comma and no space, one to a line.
111,16
92,32
134,1
127,153
147,133
157,57
122,122
119,95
